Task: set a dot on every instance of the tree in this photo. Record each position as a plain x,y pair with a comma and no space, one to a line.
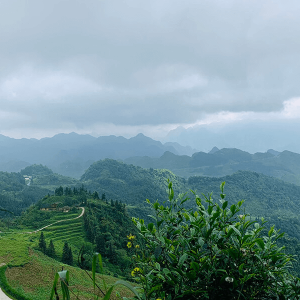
59,191
65,253
42,243
70,257
51,250
95,195
210,253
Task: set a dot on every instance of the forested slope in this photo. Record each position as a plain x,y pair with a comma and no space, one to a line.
282,165
264,196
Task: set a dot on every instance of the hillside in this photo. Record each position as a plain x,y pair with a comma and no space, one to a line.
264,196
20,190
217,163
106,222
97,226
16,195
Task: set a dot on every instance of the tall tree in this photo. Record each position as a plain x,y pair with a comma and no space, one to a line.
65,253
42,243
51,250
70,257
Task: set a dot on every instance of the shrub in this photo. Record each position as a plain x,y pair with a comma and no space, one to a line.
211,252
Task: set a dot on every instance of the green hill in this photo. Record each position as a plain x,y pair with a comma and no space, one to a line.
103,227
264,196
217,163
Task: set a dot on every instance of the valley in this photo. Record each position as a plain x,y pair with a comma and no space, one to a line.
95,210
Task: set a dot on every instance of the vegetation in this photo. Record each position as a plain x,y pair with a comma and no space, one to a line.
211,252
282,165
67,256
105,226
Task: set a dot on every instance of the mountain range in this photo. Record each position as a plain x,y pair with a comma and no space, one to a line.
71,154
284,165
258,136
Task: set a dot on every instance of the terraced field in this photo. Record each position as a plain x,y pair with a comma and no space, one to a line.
69,231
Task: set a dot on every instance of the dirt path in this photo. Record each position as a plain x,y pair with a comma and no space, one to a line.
2,294
35,231
83,210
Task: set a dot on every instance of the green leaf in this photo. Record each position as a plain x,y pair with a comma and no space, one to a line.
241,267
107,295
233,209
271,231
222,187
182,259
94,264
129,286
155,205
195,266
260,243
224,204
157,266
200,241
150,226
235,230
54,285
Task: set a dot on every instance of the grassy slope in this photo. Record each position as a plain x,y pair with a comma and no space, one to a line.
31,273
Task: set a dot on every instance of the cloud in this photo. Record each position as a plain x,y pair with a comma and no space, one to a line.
72,65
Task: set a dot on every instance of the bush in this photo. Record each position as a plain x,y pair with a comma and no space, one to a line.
212,252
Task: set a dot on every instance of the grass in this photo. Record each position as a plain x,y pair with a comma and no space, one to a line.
34,280
30,273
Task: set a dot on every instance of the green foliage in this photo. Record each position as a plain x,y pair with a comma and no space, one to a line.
36,170
284,165
51,250
106,226
67,256
211,252
42,243
104,292
15,195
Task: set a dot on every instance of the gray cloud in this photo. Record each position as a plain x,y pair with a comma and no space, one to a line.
75,65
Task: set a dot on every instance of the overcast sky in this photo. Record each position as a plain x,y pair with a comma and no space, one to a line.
123,67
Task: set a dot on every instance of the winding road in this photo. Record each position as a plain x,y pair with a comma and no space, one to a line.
3,296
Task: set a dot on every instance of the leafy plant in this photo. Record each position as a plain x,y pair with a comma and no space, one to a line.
99,291
211,252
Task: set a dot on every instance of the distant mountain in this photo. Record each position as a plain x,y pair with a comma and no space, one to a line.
283,165
71,154
258,136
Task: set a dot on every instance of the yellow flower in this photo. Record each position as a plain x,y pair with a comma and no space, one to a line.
137,246
131,237
134,271
129,244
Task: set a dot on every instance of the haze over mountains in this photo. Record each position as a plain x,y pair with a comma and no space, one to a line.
71,154
283,165
258,136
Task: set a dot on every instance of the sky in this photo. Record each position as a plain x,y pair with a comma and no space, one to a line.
123,67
